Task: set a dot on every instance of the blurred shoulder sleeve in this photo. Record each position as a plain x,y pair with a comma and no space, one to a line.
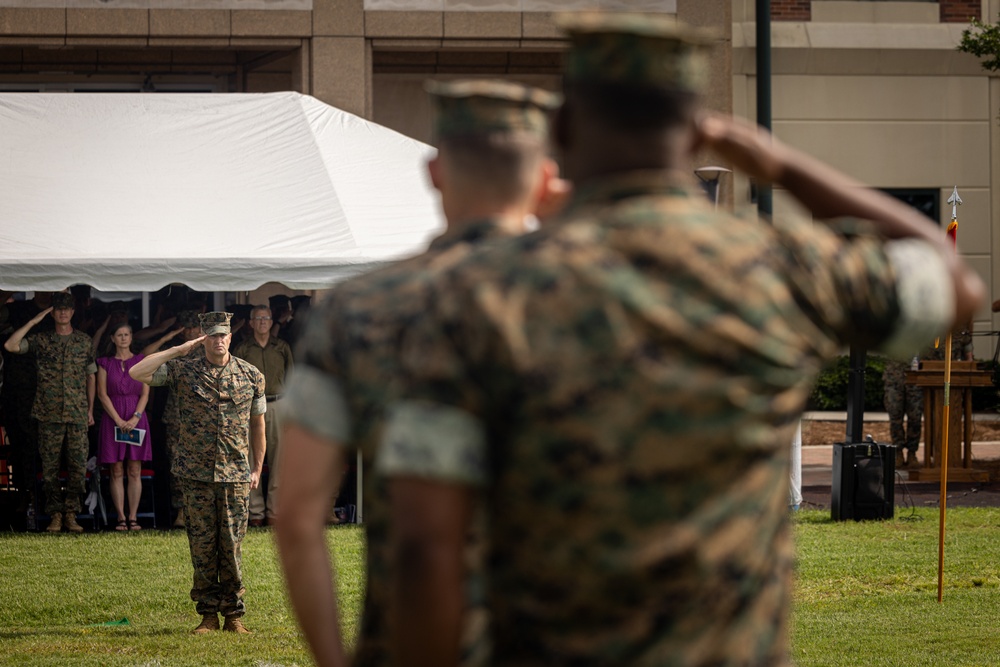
926,296
433,441
314,397
893,296
315,401
436,427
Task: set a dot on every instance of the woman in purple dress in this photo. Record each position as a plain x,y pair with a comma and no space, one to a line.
124,401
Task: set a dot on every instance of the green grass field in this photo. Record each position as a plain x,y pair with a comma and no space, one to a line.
866,594
57,588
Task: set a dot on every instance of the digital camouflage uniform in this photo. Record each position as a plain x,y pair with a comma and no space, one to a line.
623,385
60,408
212,462
347,356
902,400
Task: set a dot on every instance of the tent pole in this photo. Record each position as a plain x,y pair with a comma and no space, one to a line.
145,309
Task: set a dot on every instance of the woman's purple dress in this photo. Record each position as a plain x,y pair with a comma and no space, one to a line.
124,393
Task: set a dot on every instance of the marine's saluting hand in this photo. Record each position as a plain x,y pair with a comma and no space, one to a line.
749,148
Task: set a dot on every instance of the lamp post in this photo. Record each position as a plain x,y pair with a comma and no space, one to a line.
709,177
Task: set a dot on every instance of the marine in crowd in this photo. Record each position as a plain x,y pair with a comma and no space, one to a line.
17,394
63,405
220,407
621,386
492,171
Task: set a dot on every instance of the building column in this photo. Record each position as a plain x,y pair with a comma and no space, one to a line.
341,73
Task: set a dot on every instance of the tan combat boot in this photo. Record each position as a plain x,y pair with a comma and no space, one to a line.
234,624
208,623
56,524
70,524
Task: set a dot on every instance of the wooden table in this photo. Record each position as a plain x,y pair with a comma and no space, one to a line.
964,376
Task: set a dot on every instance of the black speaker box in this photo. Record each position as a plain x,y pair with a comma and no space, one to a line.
864,484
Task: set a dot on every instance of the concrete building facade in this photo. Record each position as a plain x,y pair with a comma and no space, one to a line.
875,87
369,57
878,89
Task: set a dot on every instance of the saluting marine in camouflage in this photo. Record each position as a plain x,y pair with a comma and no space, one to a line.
63,407
347,357
622,385
220,403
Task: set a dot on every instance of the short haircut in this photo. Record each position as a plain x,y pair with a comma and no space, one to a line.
259,308
627,107
499,165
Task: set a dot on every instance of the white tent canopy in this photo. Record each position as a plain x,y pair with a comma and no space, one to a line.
218,192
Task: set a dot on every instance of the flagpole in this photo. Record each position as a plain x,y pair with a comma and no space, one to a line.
955,201
945,419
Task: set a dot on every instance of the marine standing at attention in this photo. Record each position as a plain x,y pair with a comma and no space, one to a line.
492,172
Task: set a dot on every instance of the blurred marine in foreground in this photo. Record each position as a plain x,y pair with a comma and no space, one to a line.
622,385
492,172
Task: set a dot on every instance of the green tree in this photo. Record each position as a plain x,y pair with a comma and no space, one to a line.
982,41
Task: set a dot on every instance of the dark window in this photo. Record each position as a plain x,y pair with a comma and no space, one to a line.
925,200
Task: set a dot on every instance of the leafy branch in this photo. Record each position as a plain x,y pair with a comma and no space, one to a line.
983,41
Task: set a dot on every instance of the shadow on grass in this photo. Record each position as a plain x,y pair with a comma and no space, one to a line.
812,517
76,631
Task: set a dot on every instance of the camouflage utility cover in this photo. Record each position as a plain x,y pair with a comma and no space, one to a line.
636,50
63,300
480,106
188,318
626,383
214,406
346,375
63,363
215,322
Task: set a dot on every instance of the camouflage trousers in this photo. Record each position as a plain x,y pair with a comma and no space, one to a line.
173,434
216,525
51,437
904,401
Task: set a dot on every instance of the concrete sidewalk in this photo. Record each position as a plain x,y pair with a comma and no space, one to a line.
817,461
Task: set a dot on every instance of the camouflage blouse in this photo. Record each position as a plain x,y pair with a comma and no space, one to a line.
63,362
625,384
346,372
214,405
